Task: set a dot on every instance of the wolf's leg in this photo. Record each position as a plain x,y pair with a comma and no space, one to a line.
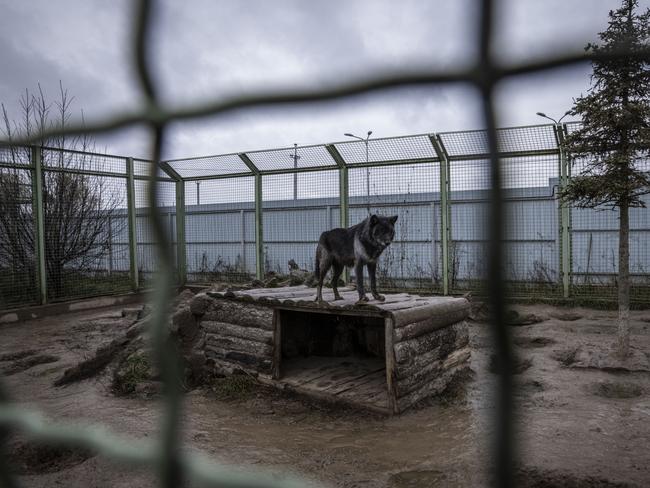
326,262
358,271
372,271
336,274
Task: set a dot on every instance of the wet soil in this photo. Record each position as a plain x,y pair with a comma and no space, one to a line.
575,427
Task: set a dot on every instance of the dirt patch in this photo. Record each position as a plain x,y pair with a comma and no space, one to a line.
613,389
513,317
533,342
519,365
28,362
417,478
566,316
13,356
530,477
531,386
565,356
27,458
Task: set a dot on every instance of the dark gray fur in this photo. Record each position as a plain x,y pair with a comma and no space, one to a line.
337,249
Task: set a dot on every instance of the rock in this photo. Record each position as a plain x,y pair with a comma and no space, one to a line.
257,284
514,318
272,282
184,323
183,298
144,311
137,328
200,303
148,389
132,313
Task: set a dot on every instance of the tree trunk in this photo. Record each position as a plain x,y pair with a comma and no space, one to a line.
624,282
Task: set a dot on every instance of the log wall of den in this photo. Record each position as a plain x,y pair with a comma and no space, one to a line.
238,336
424,351
427,354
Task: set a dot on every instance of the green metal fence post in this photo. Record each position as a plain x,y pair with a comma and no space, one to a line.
445,211
344,195
39,223
565,214
259,219
133,236
181,256
259,228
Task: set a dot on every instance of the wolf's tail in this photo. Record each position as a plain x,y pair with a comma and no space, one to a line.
317,263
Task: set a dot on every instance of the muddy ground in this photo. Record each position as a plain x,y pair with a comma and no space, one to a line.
576,427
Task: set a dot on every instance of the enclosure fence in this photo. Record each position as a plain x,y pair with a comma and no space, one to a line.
172,464
237,217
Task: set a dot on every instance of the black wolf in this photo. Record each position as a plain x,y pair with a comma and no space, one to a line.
358,246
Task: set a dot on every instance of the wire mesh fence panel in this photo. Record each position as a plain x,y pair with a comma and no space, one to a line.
532,229
594,237
412,192
15,155
147,257
83,161
220,229
85,227
474,143
225,164
293,157
469,184
405,148
18,280
297,208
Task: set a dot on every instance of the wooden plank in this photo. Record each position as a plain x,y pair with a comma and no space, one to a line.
234,330
416,329
244,314
351,378
373,380
308,369
419,313
241,345
277,344
390,365
261,291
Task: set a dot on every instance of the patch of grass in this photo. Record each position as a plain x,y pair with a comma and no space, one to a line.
235,387
611,389
135,369
565,356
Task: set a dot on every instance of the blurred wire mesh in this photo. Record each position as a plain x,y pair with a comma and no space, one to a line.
458,181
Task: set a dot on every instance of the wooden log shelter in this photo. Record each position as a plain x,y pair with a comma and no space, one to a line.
386,356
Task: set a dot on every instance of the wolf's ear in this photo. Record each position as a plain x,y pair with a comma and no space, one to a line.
393,219
373,219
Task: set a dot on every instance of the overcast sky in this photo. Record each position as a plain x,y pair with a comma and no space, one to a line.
210,48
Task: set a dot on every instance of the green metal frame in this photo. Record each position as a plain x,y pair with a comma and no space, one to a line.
445,211
181,253
344,195
39,222
132,223
259,218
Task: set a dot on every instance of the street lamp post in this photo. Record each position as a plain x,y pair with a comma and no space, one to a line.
365,141
556,122
295,158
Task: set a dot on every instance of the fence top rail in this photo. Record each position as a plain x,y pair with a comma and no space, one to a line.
269,161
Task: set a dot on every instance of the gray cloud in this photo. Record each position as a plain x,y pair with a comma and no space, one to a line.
205,48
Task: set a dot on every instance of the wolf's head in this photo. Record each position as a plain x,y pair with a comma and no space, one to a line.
382,229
